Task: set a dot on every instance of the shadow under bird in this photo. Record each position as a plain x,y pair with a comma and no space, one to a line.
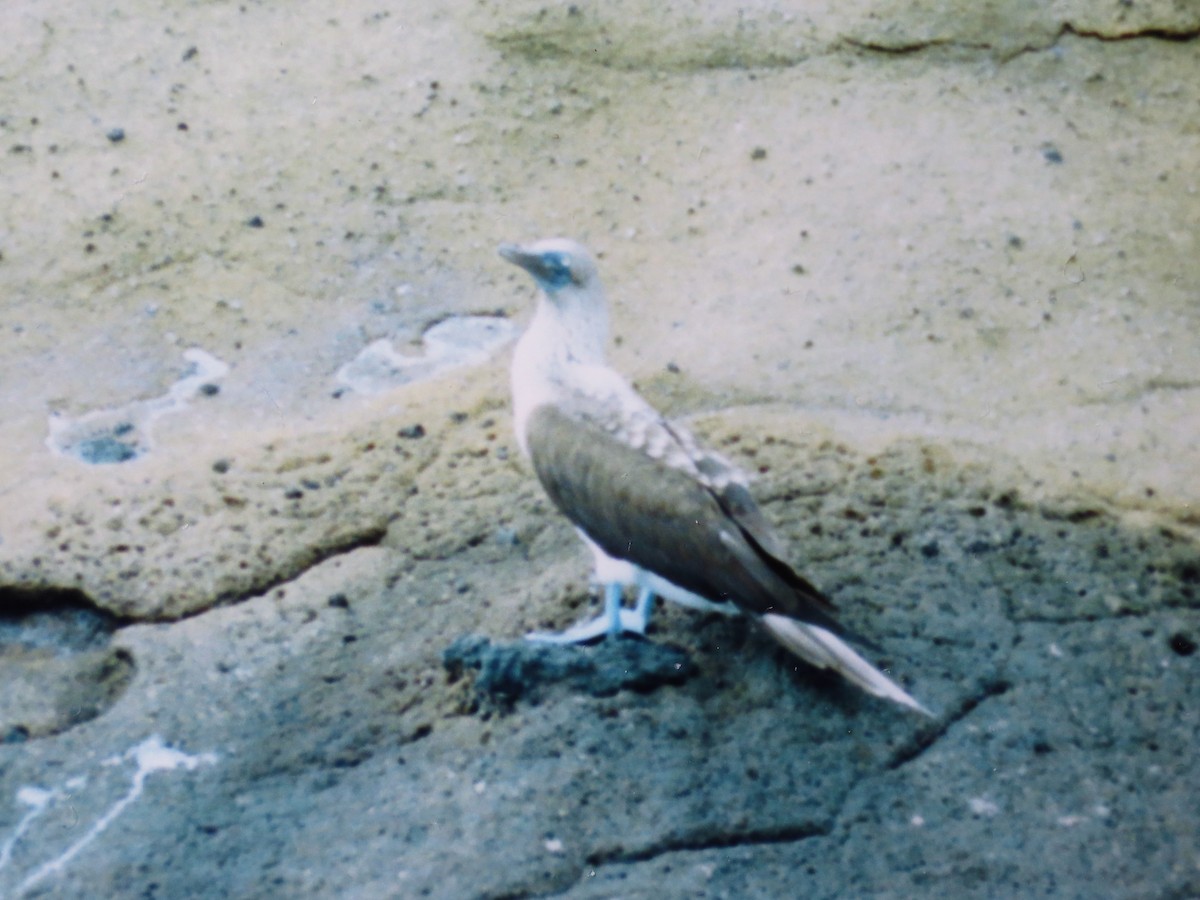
659,511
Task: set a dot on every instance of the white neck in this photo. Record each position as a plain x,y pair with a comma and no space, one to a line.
580,320
569,330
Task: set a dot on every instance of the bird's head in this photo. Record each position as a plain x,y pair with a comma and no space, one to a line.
556,264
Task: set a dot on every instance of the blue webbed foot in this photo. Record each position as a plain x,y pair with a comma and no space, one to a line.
611,623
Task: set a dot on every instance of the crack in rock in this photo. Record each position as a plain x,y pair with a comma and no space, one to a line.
923,740
1175,35
56,663
717,840
696,843
683,43
909,48
316,556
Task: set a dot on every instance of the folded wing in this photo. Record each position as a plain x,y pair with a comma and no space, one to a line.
714,543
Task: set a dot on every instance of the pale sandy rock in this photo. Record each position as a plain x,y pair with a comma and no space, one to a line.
637,34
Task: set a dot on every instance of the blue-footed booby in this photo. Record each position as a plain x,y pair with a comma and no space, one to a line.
659,511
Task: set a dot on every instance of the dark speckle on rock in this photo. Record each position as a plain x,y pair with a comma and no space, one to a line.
18,734
116,135
210,390
1051,154
412,432
339,601
105,449
930,550
758,153
255,222
1182,644
524,669
221,466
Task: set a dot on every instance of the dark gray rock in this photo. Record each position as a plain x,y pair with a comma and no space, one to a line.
355,755
507,672
1074,781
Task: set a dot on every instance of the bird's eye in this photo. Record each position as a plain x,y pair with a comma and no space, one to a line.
557,270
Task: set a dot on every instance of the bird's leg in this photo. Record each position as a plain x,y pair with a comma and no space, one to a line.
610,623
639,617
613,597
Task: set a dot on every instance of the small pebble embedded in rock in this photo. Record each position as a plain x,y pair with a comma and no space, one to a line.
1182,644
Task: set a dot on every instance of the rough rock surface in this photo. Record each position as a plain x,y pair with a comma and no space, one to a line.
523,669
930,272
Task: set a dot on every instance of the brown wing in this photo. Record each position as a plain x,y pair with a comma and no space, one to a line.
638,509
735,499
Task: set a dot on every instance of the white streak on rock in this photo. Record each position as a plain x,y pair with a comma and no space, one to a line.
450,344
123,433
981,806
37,799
150,756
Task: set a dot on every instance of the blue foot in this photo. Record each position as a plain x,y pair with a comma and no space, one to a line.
642,610
612,622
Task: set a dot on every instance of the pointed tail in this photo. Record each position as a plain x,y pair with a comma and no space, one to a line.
826,650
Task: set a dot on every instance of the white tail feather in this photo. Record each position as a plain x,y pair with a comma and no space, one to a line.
826,650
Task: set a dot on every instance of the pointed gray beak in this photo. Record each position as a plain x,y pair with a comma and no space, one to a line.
549,268
519,256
